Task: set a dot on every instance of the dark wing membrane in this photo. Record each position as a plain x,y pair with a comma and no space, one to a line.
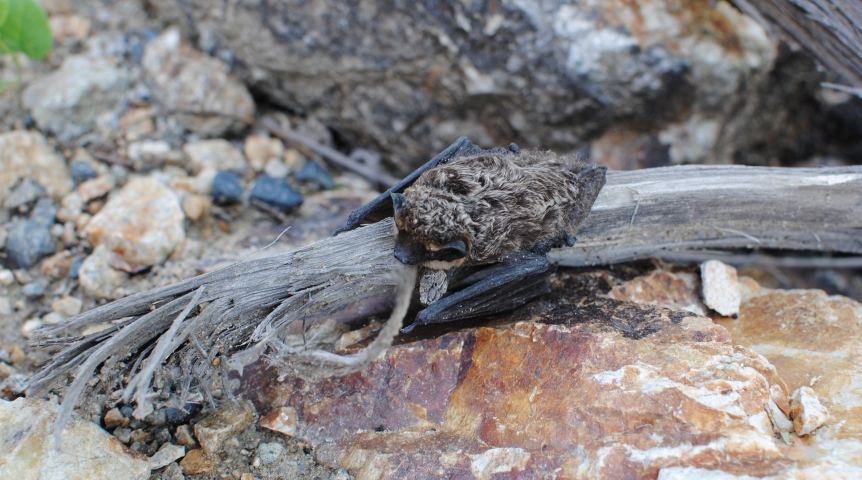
381,207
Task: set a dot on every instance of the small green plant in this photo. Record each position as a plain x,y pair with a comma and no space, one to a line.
23,28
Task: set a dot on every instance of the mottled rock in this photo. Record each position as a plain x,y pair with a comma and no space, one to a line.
26,154
137,123
720,287
661,288
527,399
807,412
276,193
141,224
197,462
212,431
24,194
166,455
69,306
269,452
226,189
98,278
214,154
315,174
28,242
148,154
184,436
260,149
557,72
281,420
73,27
68,101
96,187
82,171
195,206
57,266
34,290
195,86
29,451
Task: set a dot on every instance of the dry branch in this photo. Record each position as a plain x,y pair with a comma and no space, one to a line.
253,308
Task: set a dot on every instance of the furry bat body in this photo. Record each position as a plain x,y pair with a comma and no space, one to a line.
478,207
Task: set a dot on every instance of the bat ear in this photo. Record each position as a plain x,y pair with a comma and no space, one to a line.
453,251
397,201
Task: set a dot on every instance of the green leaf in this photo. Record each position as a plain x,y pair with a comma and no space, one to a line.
26,28
4,10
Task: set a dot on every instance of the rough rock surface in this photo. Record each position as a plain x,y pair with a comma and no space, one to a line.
212,431
196,87
551,74
577,397
720,287
141,224
26,154
68,101
814,342
88,452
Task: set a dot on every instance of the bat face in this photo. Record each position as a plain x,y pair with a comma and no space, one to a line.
430,231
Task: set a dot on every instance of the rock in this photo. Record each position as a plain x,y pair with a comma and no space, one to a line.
6,371
172,471
123,434
75,267
269,452
212,431
184,436
662,288
215,154
98,278
34,290
28,242
141,224
114,419
82,171
166,455
807,412
69,306
260,149
25,194
68,101
196,87
17,355
694,74
720,287
26,155
87,451
314,173
282,420
5,306
96,188
72,27
139,436
196,462
6,277
53,318
226,189
70,207
137,123
553,388
57,266
148,154
276,193
276,168
195,206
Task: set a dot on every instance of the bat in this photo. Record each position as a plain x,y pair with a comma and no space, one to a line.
486,215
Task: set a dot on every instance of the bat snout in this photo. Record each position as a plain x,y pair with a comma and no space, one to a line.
404,256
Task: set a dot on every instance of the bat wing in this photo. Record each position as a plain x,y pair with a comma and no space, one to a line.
381,207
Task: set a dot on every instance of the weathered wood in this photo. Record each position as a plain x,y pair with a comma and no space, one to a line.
253,306
647,212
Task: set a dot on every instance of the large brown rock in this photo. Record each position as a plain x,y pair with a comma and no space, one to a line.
598,389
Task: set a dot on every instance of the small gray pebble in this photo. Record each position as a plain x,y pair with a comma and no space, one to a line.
269,452
34,289
82,171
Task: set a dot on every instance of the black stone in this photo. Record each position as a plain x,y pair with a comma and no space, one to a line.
28,242
82,171
226,188
314,172
276,193
176,415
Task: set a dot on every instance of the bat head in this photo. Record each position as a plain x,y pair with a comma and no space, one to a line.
431,229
